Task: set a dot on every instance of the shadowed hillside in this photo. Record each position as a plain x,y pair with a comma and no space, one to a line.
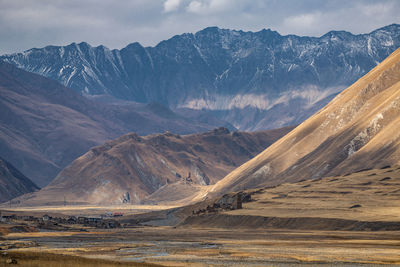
12,182
173,167
44,126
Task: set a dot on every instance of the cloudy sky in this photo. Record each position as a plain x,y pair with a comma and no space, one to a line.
36,23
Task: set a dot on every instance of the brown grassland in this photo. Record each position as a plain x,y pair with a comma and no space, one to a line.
36,259
315,230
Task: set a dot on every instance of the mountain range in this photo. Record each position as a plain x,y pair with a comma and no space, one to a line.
44,126
338,170
254,80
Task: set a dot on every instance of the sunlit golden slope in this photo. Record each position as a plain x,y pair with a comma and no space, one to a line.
358,129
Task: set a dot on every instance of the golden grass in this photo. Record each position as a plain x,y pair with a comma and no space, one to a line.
36,259
4,230
191,247
332,197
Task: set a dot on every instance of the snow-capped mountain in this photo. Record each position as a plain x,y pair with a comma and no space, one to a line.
255,80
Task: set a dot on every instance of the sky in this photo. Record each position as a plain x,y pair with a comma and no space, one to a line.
25,24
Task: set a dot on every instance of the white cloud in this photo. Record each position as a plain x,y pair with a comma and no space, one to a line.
196,7
356,17
302,22
171,5
206,7
377,9
26,24
221,5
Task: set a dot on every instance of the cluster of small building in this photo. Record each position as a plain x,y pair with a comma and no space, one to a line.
226,202
9,218
112,214
47,221
98,222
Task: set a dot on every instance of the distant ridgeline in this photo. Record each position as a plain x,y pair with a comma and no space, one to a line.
254,80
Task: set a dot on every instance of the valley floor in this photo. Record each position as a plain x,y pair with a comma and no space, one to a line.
349,220
221,247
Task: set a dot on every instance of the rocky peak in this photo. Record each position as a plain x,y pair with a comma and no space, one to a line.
229,73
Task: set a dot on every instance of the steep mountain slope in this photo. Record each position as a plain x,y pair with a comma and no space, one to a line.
44,125
357,130
230,73
131,168
12,182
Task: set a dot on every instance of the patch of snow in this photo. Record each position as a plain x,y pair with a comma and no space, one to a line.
150,59
292,66
200,53
369,46
70,76
242,53
62,51
61,71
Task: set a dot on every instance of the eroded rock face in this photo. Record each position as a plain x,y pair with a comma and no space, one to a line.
255,80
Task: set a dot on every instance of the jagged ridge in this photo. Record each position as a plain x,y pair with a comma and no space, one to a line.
221,70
